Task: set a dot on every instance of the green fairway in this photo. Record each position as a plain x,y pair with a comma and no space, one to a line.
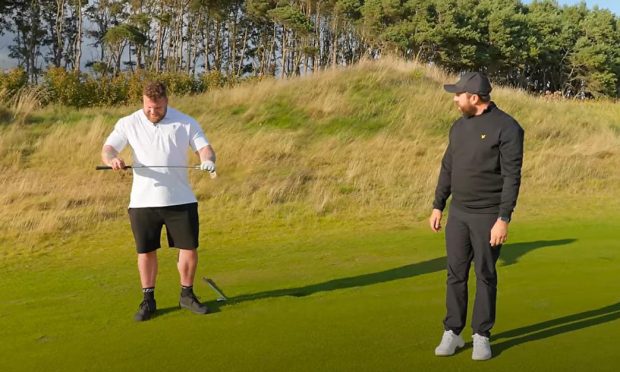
337,299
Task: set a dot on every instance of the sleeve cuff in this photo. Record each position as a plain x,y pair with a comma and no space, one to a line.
439,206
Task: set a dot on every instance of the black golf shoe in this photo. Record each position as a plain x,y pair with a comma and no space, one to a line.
146,310
191,303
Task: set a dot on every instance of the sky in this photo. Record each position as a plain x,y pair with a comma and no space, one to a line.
6,39
613,5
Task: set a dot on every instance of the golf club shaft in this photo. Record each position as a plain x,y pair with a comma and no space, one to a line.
216,289
107,167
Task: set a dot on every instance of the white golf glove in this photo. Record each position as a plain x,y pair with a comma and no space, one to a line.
208,166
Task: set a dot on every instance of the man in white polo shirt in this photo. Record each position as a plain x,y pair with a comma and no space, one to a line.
161,136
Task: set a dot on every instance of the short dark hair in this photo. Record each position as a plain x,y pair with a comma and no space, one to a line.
484,98
154,90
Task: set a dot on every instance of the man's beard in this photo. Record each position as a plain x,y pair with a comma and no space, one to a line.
468,111
156,118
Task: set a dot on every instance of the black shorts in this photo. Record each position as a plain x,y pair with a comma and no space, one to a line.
181,226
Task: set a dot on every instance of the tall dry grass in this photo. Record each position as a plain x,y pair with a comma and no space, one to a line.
296,151
20,106
50,188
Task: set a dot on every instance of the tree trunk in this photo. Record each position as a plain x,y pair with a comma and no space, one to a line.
232,47
205,40
195,54
190,43
218,46
317,39
58,46
77,46
272,52
262,47
161,39
242,57
335,42
283,53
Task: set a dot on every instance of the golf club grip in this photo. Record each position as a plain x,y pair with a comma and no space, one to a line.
107,167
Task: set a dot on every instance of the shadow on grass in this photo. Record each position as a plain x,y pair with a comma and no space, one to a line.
512,252
214,307
554,327
510,255
403,272
167,310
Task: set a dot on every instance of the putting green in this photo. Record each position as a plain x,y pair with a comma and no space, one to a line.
337,299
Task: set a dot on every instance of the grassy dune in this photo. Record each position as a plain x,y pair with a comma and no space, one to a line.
357,145
315,227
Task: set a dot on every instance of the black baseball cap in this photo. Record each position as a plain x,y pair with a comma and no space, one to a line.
471,82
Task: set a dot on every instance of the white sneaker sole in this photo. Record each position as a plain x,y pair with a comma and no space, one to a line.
473,357
444,354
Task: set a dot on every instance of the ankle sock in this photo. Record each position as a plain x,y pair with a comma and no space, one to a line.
149,293
187,290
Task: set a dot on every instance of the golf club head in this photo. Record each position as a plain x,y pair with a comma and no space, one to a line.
221,296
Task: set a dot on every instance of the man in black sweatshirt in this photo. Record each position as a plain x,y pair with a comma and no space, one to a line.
481,169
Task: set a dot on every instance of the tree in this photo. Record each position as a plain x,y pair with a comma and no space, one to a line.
596,61
511,43
294,25
30,35
104,14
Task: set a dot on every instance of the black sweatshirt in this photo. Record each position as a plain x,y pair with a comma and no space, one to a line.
481,167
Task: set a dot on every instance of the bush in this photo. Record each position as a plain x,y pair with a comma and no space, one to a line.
178,83
212,80
12,81
106,91
69,88
78,90
135,84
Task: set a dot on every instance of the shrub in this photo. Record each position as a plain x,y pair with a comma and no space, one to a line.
178,83
67,88
212,80
12,81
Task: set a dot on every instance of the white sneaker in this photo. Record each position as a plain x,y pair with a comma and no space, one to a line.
449,342
482,348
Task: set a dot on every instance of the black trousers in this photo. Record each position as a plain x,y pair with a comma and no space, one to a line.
467,240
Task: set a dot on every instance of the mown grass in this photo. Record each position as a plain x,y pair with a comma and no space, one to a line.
319,297
316,227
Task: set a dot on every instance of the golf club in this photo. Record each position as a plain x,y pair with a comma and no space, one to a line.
214,287
106,167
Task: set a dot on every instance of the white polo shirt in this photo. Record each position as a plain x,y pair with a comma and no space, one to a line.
164,143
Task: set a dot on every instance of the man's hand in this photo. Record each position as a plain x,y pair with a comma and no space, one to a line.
117,163
208,166
110,157
435,220
499,233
